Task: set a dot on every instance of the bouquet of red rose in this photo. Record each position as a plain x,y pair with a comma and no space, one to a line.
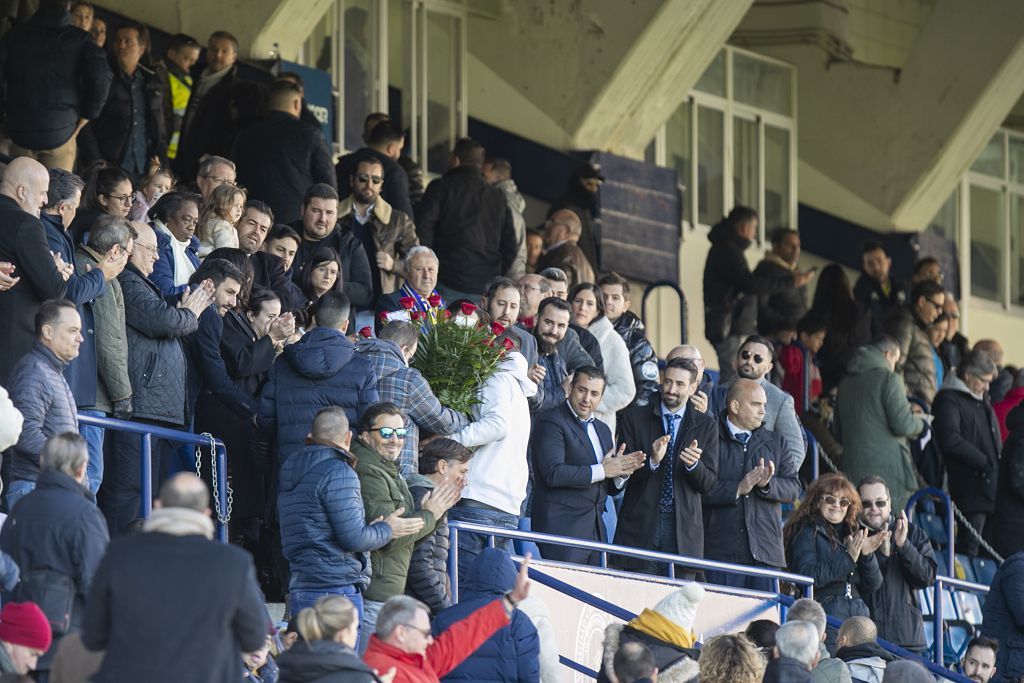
457,357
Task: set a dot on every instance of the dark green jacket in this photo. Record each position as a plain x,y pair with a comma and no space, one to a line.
384,491
873,421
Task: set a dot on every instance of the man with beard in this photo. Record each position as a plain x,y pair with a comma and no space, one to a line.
268,269
907,562
754,361
551,370
502,300
980,659
705,385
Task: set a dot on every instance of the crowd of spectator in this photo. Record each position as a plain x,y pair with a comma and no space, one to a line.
179,249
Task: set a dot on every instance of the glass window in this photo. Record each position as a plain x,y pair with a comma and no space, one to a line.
650,152
400,102
745,163
442,47
987,222
945,221
1017,249
678,154
712,81
776,179
358,64
990,161
762,84
1017,160
710,165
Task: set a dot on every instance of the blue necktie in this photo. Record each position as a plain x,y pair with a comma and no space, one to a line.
666,500
743,437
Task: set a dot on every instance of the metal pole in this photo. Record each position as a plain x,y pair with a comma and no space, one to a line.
950,540
146,467
938,646
222,492
453,564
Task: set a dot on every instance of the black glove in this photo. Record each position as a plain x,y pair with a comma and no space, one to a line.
123,409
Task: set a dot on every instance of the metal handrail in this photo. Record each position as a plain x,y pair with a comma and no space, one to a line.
147,432
605,548
938,493
938,620
671,284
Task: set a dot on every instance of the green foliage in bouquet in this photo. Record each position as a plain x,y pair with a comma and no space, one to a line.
457,357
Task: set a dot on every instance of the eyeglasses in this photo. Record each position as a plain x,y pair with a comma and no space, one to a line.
841,502
123,198
364,178
392,433
425,632
938,307
880,503
747,355
152,249
222,181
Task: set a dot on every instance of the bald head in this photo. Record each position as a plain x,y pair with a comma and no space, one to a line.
331,426
857,631
688,352
992,349
26,181
746,403
144,252
185,490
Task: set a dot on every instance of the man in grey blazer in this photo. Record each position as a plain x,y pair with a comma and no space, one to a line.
754,361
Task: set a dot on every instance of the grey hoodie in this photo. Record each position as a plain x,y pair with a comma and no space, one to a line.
516,204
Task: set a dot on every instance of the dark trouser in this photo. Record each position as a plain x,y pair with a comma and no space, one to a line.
966,543
665,542
121,501
726,351
471,545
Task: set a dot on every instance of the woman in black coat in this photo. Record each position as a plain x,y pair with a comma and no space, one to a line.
849,324
326,654
824,540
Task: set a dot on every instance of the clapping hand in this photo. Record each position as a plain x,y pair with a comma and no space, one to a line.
855,543
754,478
401,526
873,543
691,454
7,279
442,498
521,590
196,300
622,464
899,537
659,448
66,270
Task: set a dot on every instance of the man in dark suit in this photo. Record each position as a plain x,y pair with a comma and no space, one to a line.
662,506
574,465
267,268
742,513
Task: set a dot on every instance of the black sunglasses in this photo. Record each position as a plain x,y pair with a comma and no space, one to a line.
747,355
364,178
391,432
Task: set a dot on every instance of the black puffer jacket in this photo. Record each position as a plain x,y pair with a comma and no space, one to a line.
323,661
53,75
785,307
641,356
428,570
812,553
107,136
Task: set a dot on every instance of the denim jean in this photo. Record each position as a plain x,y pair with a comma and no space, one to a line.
18,490
94,439
368,624
471,545
300,599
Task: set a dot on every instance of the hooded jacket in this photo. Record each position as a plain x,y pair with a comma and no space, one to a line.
322,369
786,670
873,421
409,390
675,664
641,356
428,570
498,472
829,669
324,534
916,362
866,661
1008,520
323,661
512,653
967,434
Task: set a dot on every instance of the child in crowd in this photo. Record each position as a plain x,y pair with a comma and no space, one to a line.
158,182
802,379
218,217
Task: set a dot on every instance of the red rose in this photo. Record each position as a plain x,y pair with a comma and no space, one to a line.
497,329
468,308
508,344
383,316
365,332
527,322
447,314
490,343
417,315
434,300
407,302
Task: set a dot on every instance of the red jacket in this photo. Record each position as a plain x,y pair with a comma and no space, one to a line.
803,378
446,652
1012,399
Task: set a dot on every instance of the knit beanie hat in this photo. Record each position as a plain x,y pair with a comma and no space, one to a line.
23,623
680,606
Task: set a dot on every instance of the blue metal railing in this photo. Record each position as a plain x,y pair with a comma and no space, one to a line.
938,618
682,305
146,433
944,497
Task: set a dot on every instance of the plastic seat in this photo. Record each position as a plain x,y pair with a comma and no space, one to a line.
924,601
940,564
970,607
965,566
934,527
984,570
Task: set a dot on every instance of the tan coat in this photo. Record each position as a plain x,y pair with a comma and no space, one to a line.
393,234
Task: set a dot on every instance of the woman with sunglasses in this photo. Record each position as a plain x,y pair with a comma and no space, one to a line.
378,444
107,191
824,540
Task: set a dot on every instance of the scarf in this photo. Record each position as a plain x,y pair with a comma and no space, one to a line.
657,626
179,522
424,305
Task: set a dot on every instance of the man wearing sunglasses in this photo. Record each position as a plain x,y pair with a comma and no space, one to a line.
279,157
386,233
908,325
907,563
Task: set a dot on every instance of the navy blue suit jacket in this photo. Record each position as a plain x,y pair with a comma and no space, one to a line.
565,502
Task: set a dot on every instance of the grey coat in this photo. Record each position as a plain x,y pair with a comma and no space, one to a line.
112,380
916,362
156,361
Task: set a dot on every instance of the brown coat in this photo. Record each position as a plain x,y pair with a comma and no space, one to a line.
570,258
393,233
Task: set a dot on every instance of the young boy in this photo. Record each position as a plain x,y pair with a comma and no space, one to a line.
798,360
615,289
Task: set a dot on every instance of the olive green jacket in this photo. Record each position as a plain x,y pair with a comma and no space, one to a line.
384,491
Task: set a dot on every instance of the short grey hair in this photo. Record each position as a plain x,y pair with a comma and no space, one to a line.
398,610
107,232
554,274
62,186
208,162
66,453
810,610
886,344
976,362
798,640
419,250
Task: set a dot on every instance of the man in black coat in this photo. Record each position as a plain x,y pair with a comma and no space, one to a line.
152,614
784,308
384,143
281,156
468,224
907,562
661,509
23,245
967,433
267,269
1002,617
319,228
56,535
742,513
876,289
55,79
575,464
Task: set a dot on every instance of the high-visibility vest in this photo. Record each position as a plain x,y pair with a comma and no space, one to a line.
181,92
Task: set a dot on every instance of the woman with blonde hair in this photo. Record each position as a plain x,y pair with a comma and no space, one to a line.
824,539
217,219
326,653
731,659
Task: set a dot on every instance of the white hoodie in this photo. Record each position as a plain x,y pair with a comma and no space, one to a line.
500,432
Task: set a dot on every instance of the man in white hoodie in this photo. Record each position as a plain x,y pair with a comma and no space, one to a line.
498,472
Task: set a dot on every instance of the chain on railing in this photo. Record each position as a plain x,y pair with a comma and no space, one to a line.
975,533
223,513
